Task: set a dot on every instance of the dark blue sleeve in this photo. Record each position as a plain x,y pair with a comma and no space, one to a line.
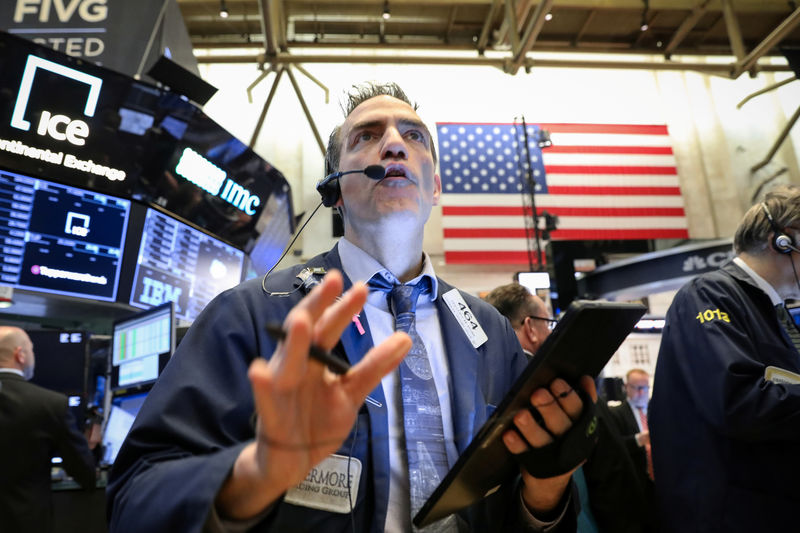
715,349
195,421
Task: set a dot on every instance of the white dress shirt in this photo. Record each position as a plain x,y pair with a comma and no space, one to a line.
360,266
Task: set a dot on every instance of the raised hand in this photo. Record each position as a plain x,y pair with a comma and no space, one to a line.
304,410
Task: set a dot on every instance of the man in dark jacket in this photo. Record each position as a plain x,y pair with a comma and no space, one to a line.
725,413
246,432
35,425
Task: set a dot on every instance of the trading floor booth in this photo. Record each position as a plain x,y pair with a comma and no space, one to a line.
124,210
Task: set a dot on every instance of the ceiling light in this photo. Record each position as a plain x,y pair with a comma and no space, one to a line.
223,9
548,17
644,25
386,13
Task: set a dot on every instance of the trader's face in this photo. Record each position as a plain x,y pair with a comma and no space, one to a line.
28,356
387,131
638,389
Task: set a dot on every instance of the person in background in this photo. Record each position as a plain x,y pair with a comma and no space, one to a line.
610,496
630,420
245,432
526,312
725,412
35,425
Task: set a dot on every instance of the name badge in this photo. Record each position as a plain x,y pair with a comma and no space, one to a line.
780,375
329,486
465,318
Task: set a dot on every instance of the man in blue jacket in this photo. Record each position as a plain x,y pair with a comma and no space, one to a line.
246,433
725,413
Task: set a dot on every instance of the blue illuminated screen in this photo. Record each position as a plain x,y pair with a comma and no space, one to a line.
181,264
141,345
120,419
60,239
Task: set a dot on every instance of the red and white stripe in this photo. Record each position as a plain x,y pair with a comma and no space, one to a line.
605,181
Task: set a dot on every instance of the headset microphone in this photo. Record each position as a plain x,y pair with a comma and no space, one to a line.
784,242
328,188
781,242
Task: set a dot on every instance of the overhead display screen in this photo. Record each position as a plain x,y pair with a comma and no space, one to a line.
81,124
181,264
60,239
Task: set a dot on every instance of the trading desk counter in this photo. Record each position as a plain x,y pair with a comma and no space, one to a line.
76,510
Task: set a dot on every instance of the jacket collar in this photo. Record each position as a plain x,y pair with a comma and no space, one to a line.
736,272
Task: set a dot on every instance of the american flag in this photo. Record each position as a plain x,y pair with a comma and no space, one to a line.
603,181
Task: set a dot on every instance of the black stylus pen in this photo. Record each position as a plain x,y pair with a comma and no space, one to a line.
327,358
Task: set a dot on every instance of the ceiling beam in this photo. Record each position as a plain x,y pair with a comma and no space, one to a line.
487,26
531,33
511,25
584,27
268,27
734,32
771,40
686,26
497,61
450,22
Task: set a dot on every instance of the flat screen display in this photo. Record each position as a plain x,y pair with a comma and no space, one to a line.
120,419
60,360
141,345
60,239
81,124
181,264
534,280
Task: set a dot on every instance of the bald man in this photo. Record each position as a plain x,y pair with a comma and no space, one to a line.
35,425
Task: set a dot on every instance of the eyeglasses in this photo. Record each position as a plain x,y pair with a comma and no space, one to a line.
638,388
551,322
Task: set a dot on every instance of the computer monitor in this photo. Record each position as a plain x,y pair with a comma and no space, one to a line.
120,419
180,263
141,345
534,280
60,239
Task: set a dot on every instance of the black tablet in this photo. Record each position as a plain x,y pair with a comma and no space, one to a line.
581,344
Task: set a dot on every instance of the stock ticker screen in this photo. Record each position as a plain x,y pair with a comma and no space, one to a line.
181,264
60,239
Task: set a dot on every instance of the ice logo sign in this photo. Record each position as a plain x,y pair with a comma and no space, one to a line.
59,127
77,224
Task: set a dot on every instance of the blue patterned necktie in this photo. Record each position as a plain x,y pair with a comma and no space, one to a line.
422,414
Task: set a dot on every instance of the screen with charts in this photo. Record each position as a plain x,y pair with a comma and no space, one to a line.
120,419
181,264
141,345
60,239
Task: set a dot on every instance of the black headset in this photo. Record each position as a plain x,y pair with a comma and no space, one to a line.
781,242
328,188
